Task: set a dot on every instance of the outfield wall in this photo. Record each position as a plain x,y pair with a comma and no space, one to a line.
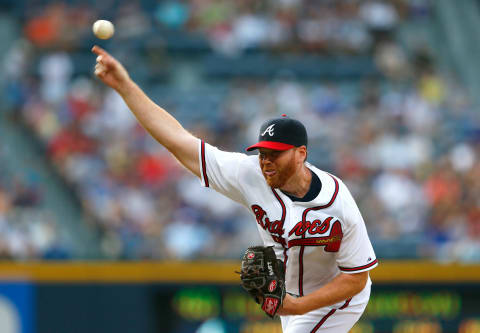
177,297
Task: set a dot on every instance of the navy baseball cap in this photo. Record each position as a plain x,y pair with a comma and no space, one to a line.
281,134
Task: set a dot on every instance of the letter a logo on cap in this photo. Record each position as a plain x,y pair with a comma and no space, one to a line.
268,130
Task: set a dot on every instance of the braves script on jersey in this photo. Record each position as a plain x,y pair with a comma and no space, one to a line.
315,239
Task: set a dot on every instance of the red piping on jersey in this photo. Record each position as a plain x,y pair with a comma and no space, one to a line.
302,249
284,214
204,167
332,200
300,270
358,268
331,312
346,304
284,209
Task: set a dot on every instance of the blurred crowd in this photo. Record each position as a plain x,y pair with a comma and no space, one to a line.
230,26
27,230
406,142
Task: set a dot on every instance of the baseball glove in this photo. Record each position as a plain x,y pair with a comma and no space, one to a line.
263,277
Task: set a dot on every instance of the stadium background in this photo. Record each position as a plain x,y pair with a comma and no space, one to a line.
102,231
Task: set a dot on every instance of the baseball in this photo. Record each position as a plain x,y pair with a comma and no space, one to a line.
103,29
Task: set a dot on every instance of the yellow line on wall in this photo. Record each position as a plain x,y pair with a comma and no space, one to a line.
213,272
221,272
424,271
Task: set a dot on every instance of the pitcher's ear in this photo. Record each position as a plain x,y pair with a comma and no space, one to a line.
303,151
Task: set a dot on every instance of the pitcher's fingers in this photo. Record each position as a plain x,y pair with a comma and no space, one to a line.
99,51
103,60
99,72
100,67
106,60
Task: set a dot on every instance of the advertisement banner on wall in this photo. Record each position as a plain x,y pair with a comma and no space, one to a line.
16,307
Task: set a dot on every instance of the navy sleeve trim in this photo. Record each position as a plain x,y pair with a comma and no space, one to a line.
204,166
358,268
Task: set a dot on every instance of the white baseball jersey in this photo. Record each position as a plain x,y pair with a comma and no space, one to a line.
316,240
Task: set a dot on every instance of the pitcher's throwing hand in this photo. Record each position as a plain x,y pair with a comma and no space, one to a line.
109,70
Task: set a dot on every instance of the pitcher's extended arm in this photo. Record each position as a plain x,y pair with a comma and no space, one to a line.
158,122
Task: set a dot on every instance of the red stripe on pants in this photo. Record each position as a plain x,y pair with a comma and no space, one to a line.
320,323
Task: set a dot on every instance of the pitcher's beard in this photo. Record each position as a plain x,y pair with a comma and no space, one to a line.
281,176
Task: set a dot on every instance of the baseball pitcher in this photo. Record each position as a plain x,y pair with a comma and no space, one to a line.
312,269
